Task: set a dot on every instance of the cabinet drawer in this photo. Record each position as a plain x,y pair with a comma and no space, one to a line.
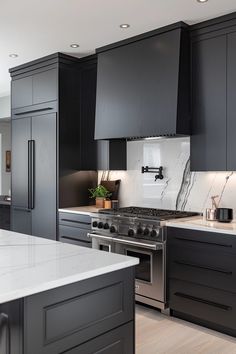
75,220
203,303
210,241
214,269
118,341
74,235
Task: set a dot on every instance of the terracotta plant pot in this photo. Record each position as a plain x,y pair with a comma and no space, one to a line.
99,202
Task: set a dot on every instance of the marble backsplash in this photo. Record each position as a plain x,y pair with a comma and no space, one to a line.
180,189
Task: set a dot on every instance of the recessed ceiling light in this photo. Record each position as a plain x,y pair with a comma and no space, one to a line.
124,25
13,55
202,1
74,45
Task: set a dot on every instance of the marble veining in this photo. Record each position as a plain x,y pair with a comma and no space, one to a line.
180,189
29,265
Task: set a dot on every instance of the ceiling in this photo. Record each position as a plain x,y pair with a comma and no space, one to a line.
36,28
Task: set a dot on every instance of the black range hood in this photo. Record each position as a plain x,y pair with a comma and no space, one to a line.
143,86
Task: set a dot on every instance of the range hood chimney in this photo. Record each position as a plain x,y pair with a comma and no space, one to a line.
143,86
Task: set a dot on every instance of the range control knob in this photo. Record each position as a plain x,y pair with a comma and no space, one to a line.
146,232
139,231
153,233
106,226
95,224
112,229
100,225
131,232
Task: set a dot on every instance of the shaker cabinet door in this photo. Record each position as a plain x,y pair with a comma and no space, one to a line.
21,134
44,215
231,102
22,92
208,140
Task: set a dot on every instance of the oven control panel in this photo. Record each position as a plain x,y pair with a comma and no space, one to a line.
131,227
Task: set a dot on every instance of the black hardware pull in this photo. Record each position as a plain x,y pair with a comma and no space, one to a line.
203,301
33,111
75,239
5,344
77,222
31,174
194,265
203,242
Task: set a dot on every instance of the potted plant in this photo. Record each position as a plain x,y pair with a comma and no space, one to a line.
100,193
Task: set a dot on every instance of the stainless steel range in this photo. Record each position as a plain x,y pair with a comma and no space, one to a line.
138,232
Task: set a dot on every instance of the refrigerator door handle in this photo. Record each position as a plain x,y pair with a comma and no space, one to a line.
31,174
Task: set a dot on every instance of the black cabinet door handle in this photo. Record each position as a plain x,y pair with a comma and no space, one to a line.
203,301
31,174
77,222
194,265
4,334
74,239
203,242
33,111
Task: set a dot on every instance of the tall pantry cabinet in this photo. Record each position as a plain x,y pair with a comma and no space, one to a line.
46,143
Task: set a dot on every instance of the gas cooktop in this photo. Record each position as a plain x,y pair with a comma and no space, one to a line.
150,213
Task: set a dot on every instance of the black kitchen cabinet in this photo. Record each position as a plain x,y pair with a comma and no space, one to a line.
34,174
201,274
112,154
208,140
143,86
94,315
231,101
49,140
73,228
213,55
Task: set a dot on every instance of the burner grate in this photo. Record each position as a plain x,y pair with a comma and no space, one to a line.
160,214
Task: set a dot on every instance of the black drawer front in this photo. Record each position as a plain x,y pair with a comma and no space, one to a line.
211,305
75,220
214,269
74,235
118,341
210,241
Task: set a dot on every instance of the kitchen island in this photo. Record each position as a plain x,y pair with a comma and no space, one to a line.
60,298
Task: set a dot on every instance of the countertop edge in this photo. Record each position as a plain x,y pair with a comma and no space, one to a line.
11,296
192,226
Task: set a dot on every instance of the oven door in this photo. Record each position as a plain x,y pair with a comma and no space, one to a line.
150,272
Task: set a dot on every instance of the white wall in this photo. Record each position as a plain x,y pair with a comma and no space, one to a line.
5,107
180,189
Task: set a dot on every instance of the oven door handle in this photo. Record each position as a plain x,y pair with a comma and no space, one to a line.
90,235
149,246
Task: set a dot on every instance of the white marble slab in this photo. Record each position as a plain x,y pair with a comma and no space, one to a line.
180,189
29,265
199,223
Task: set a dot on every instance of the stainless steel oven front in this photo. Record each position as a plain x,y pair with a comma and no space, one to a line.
149,273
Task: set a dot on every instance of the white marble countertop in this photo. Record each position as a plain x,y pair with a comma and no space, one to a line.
86,210
29,265
200,223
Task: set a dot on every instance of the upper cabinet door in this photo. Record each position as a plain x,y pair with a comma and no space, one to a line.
135,85
38,88
231,102
22,92
208,140
45,86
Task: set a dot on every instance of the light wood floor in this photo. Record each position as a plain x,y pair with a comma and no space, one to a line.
160,334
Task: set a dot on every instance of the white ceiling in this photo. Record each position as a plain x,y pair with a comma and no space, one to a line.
34,28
